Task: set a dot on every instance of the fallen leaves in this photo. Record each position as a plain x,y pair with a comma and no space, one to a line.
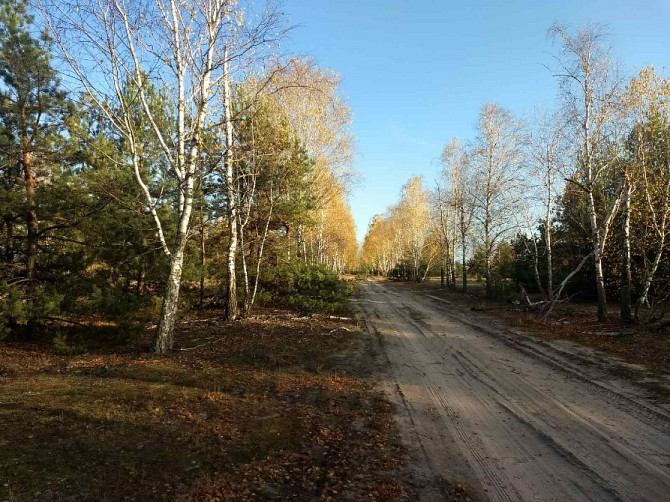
272,410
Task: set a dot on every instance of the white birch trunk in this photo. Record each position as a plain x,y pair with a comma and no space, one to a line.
231,209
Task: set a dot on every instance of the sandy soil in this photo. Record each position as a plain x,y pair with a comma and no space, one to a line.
514,420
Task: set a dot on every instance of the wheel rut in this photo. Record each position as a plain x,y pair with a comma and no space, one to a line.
510,419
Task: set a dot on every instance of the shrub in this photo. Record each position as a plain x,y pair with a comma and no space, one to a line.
62,347
306,287
25,308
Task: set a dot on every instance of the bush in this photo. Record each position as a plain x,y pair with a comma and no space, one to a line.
305,287
129,312
25,308
62,347
362,275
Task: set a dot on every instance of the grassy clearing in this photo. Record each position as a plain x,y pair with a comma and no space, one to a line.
267,408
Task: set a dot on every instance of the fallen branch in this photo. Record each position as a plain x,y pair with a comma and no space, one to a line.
189,321
557,295
527,301
211,340
336,329
67,321
279,316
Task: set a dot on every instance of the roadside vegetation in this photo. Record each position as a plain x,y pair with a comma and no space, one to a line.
173,225
571,205
152,168
175,231
645,346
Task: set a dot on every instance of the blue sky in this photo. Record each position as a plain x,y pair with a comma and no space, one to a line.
416,73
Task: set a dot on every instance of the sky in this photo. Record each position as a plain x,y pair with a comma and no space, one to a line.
416,73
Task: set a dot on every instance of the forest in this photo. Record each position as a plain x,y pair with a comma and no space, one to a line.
187,313
571,203
165,156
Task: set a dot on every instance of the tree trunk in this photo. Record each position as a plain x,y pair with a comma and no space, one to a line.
465,271
550,270
417,267
597,258
245,270
600,285
164,332
31,214
259,254
31,221
451,272
626,308
488,273
9,239
231,301
453,262
31,224
320,243
547,238
203,256
644,296
464,245
140,281
487,235
425,274
489,279
164,336
301,249
443,260
536,268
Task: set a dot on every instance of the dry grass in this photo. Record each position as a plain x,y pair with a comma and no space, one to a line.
266,408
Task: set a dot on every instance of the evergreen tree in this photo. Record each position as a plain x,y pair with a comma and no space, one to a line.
33,110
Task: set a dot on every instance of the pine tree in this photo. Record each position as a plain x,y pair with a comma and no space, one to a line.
32,112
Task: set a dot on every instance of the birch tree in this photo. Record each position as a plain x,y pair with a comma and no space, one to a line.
305,97
181,47
269,166
456,171
231,196
547,151
413,213
496,162
588,83
444,230
320,120
643,104
379,250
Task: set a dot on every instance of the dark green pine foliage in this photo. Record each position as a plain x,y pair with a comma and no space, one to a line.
33,111
126,263
39,191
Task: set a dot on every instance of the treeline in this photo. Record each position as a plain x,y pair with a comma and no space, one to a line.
573,202
146,146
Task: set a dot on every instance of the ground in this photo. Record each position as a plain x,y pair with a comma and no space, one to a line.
420,394
274,407
645,347
511,415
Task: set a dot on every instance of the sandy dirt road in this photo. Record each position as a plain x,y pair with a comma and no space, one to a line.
515,420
